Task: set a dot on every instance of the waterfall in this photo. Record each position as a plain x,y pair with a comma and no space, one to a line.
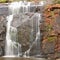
13,48
9,50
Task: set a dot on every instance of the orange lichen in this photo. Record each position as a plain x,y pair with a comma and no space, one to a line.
51,12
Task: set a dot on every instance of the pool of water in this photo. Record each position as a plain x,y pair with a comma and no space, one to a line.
16,58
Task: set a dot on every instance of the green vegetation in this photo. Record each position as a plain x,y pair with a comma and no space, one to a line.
48,27
56,1
50,39
3,1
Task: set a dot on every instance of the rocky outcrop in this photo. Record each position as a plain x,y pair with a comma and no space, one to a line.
3,14
50,29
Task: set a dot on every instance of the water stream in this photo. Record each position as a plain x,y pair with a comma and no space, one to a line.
9,48
13,48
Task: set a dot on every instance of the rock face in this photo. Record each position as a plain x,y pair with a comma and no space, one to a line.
2,35
3,14
51,31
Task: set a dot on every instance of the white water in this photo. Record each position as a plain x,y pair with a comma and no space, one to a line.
11,44
9,50
14,8
37,35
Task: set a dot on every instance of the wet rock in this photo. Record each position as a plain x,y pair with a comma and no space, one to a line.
2,35
3,14
51,36
47,48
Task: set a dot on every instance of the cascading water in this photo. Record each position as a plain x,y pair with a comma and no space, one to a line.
37,39
11,48
14,48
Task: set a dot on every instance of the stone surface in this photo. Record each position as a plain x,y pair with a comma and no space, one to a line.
3,14
52,29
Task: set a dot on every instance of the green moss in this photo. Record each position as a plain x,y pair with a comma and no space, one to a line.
3,1
48,27
50,39
56,1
